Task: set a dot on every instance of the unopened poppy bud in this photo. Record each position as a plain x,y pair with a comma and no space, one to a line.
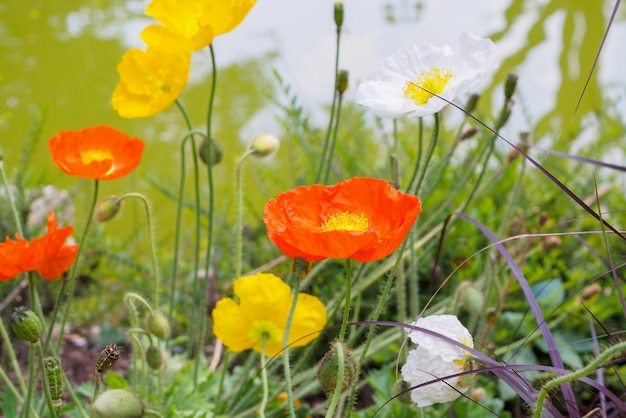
469,133
157,325
472,298
107,357
590,291
342,81
264,145
54,377
472,102
478,394
328,369
26,324
118,403
550,242
154,357
339,15
510,85
107,208
217,153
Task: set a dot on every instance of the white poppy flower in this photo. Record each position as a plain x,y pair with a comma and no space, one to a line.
435,358
393,90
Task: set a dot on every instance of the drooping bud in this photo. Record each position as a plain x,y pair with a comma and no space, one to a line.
469,133
472,298
154,357
339,15
26,324
107,357
54,377
510,85
118,403
107,209
217,152
328,369
264,145
157,325
342,81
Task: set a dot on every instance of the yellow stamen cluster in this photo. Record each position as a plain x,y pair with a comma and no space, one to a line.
421,89
259,329
346,222
95,155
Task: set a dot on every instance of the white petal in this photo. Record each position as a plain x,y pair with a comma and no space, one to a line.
447,325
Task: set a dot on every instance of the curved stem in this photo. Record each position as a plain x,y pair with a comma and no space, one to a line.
340,371
346,308
418,158
429,153
71,280
331,149
239,191
155,266
204,292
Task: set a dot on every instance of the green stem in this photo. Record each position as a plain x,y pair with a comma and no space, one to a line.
46,389
204,292
264,379
31,379
324,160
340,371
429,153
570,377
239,191
11,353
155,266
220,387
71,280
179,208
14,212
331,149
346,308
418,158
292,310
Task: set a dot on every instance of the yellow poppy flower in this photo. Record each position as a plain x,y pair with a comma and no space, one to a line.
149,81
264,303
199,21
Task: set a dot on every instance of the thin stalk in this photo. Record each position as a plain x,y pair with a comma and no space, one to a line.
71,280
14,212
324,160
220,387
331,149
292,310
204,292
418,158
264,379
155,266
239,191
332,405
11,353
429,153
346,308
31,379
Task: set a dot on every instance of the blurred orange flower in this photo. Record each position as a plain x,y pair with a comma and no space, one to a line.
98,152
47,255
195,23
363,219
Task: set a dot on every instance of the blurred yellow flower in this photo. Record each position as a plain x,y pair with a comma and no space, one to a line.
196,22
149,81
264,303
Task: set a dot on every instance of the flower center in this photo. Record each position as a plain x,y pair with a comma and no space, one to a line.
421,89
268,328
95,155
345,221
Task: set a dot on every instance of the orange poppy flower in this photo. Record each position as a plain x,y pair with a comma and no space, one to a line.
98,152
47,255
363,219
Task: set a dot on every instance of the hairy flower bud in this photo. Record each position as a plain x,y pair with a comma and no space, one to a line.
54,377
107,357
472,102
339,15
118,403
107,208
342,81
472,298
264,145
26,324
157,325
510,85
154,357
328,369
217,152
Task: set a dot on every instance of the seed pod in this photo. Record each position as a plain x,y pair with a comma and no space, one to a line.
107,357
26,324
154,357
157,325
328,369
118,403
54,377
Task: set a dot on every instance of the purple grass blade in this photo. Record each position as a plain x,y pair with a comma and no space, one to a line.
553,352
